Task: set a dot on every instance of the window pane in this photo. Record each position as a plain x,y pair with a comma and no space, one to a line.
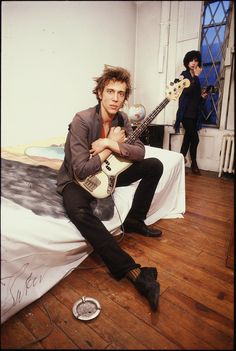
213,46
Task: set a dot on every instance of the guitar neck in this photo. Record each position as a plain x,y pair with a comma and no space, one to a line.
140,129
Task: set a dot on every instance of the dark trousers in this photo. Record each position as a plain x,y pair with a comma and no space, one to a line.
77,200
191,138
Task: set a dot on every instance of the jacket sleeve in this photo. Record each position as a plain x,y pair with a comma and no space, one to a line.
193,83
179,114
82,163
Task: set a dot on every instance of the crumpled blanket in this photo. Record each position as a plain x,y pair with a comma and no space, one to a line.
34,187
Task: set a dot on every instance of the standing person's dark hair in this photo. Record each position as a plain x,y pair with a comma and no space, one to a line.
190,56
189,110
93,135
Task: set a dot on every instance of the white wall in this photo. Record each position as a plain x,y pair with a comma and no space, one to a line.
148,90
51,50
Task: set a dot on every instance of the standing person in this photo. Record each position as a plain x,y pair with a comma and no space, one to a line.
93,135
189,111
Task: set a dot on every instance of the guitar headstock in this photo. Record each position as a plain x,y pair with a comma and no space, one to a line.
175,89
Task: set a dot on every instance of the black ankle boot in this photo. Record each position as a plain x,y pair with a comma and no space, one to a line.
194,168
147,285
139,227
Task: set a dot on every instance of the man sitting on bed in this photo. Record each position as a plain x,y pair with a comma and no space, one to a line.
93,135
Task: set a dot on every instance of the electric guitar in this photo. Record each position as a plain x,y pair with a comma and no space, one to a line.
102,184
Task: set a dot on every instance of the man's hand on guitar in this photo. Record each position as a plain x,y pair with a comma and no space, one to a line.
98,146
117,134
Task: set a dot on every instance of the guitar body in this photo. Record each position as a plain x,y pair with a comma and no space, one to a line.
102,184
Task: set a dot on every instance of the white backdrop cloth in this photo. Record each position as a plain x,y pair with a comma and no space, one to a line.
38,251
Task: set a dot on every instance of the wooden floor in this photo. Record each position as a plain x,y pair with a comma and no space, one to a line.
197,294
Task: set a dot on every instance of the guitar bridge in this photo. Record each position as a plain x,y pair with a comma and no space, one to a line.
91,183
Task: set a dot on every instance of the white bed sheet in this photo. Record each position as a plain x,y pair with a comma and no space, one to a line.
38,251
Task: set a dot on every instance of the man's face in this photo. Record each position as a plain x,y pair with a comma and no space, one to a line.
113,97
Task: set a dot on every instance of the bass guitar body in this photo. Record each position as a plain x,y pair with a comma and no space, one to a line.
102,184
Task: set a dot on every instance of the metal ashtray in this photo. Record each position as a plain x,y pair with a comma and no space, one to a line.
86,308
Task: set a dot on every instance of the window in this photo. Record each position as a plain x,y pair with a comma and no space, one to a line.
216,19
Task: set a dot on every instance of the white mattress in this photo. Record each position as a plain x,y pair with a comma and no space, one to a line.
38,251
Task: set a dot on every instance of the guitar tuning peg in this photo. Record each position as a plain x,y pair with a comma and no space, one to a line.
176,80
171,83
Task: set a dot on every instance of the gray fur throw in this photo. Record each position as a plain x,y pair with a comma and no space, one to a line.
34,187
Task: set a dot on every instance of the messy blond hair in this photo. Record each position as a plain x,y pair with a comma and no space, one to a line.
113,73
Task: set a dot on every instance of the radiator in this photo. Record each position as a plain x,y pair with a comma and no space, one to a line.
227,154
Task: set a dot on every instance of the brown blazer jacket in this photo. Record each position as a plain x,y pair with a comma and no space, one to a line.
85,128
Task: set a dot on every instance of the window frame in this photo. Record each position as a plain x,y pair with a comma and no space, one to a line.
220,75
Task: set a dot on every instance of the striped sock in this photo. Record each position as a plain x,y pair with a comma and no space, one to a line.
133,274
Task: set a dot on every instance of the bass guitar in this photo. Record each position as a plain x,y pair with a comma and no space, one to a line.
102,184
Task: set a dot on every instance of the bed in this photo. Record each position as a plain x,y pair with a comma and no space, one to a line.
39,244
